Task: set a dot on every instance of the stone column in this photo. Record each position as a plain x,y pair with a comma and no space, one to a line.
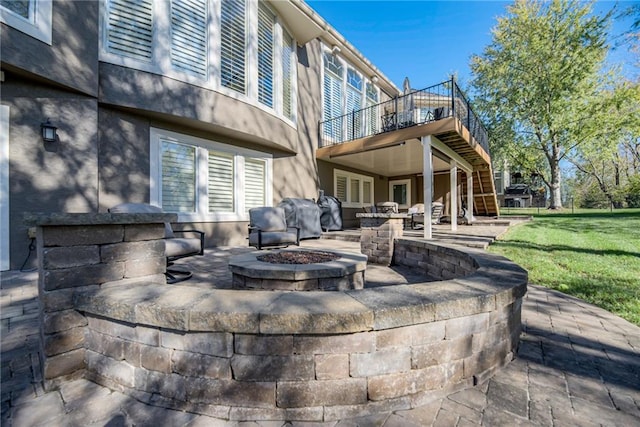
77,252
377,234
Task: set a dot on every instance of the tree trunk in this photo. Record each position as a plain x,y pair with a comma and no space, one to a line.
616,203
554,186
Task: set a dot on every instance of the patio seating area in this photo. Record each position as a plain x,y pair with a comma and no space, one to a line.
575,363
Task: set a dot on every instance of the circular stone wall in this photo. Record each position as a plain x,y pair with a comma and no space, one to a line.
243,355
341,274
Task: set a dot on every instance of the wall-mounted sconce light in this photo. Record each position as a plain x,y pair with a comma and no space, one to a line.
335,49
48,131
374,79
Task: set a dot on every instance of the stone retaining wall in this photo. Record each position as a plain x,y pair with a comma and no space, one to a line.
440,261
312,356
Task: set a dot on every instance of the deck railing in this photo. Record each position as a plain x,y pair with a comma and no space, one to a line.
422,106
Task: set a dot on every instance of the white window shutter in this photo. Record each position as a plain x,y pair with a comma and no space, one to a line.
332,97
254,183
233,45
266,45
341,188
355,190
220,186
287,75
189,36
367,187
130,28
371,100
178,177
354,104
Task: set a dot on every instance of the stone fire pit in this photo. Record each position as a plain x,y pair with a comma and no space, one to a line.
299,270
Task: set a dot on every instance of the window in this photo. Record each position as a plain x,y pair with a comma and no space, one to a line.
354,103
266,27
221,175
254,179
189,36
233,42
345,91
130,28
178,177
288,75
204,180
372,98
353,190
400,192
332,95
237,47
32,17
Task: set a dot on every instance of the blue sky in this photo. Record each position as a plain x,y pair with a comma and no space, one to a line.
426,41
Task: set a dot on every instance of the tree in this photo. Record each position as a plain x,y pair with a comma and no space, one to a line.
610,157
538,83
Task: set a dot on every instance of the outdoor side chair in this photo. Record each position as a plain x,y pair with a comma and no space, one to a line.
417,214
268,228
436,213
175,247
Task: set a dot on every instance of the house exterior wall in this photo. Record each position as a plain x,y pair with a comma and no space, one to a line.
105,114
48,177
72,58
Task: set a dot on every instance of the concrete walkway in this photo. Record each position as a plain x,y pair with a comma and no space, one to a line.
577,365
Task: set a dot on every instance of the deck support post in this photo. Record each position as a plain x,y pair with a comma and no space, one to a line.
427,173
453,211
469,197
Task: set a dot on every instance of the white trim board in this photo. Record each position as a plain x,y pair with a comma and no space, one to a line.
4,187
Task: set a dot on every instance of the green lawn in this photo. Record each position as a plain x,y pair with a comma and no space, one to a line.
591,254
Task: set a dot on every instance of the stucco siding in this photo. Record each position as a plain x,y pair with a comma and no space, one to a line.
72,58
59,176
194,106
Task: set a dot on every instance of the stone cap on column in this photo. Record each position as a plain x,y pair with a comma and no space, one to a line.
383,215
60,218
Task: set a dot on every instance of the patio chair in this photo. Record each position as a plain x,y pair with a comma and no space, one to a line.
436,213
387,207
268,228
440,113
175,247
417,214
389,122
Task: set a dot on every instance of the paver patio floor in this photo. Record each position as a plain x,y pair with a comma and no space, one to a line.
577,365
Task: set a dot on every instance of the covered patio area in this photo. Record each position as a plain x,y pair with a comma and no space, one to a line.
429,147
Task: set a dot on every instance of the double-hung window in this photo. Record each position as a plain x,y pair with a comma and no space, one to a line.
353,190
204,180
32,17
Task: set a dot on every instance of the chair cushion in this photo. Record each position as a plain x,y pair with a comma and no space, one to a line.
179,246
274,238
142,208
268,218
418,208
